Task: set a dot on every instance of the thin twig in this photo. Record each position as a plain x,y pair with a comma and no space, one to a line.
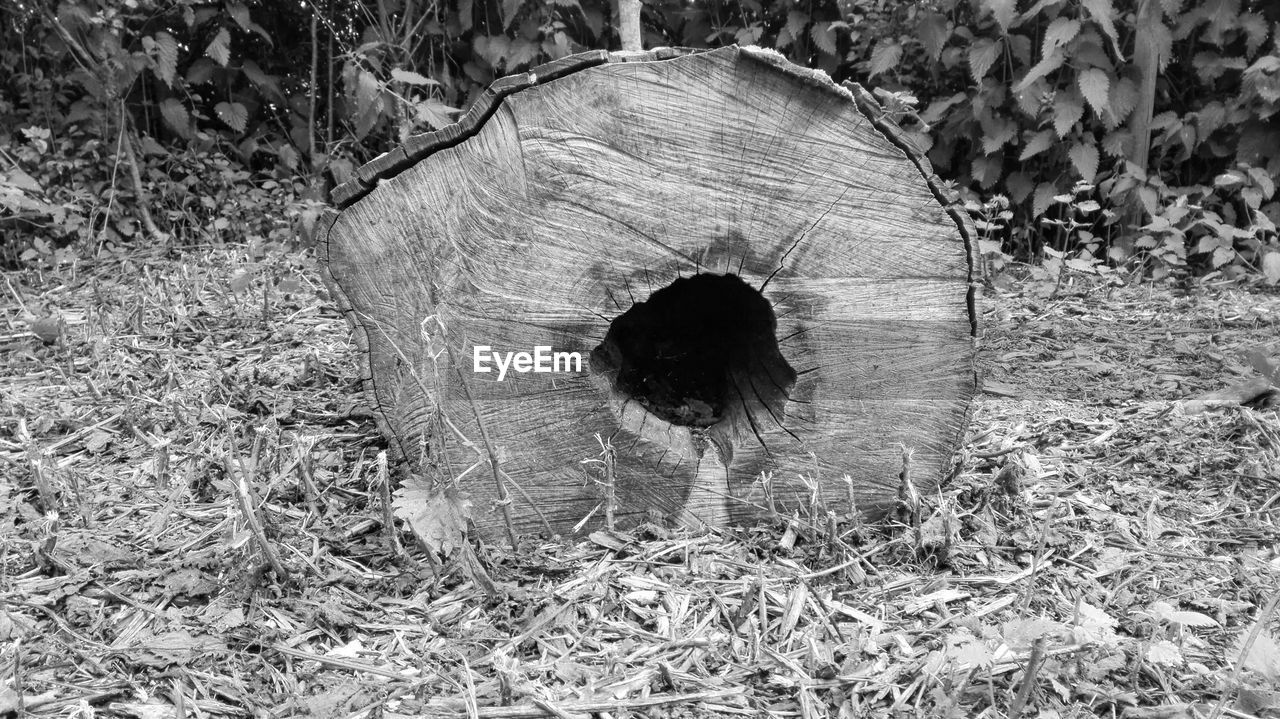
1028,678
504,499
598,707
245,500
341,663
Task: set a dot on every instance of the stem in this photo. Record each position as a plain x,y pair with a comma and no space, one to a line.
629,26
328,62
311,92
236,473
1146,59
503,497
135,175
1028,679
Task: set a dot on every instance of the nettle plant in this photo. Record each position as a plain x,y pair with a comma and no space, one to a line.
1030,100
1168,119
1076,212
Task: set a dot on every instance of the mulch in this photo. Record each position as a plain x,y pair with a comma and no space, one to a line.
1101,552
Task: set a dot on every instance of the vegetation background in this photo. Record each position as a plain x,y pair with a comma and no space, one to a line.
1085,135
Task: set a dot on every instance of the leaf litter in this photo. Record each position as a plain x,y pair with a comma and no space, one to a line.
1100,552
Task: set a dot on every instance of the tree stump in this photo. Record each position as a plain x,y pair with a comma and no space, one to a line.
770,296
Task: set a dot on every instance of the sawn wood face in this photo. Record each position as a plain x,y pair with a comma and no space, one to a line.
552,209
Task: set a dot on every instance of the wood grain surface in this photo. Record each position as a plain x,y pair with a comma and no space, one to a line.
559,204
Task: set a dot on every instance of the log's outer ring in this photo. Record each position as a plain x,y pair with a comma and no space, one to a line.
324,225
389,164
418,147
871,109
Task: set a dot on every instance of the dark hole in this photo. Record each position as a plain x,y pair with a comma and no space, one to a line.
696,350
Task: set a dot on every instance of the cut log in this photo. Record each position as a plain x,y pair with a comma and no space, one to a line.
769,293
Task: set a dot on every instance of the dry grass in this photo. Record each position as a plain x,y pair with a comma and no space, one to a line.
1101,552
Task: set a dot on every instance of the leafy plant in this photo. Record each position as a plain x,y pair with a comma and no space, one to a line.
1167,110
1027,100
1055,101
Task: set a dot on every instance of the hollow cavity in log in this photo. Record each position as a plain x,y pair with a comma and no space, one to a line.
698,351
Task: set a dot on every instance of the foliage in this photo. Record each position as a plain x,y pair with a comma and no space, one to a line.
114,125
1051,101
106,104
1026,101
69,201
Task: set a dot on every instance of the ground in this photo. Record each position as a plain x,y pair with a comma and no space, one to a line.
1102,551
